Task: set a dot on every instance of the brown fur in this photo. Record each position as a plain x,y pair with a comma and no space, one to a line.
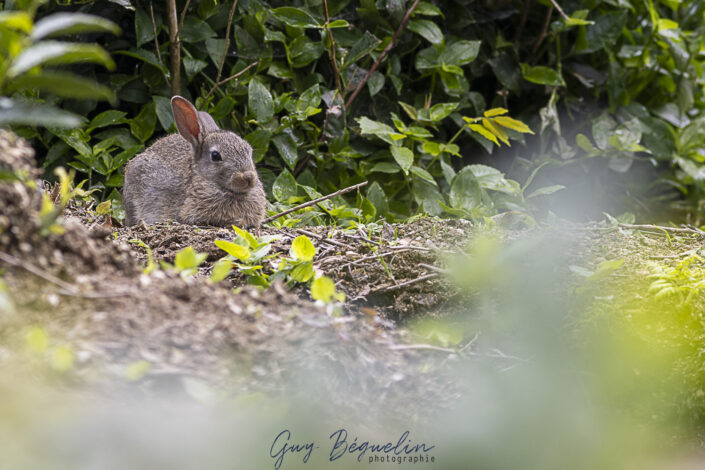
176,178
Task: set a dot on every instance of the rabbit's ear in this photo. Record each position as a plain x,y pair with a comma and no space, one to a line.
187,121
208,125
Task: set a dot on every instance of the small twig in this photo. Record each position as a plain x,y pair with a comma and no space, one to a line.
225,48
560,10
314,202
430,347
322,238
183,16
382,55
333,61
665,229
544,31
405,283
469,343
66,288
374,256
359,238
433,268
156,42
522,21
226,80
174,48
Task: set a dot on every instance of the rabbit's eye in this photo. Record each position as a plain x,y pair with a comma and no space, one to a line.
215,156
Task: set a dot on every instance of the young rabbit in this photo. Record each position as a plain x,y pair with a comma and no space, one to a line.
200,176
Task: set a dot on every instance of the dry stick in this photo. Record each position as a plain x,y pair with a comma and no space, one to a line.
383,54
226,80
433,268
430,347
322,238
156,42
522,22
183,16
658,227
314,202
68,289
174,48
560,10
225,49
405,283
333,61
544,30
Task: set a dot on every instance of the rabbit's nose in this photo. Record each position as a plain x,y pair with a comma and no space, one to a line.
244,179
250,178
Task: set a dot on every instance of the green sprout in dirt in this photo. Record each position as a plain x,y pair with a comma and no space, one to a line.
50,211
186,262
246,253
151,265
682,282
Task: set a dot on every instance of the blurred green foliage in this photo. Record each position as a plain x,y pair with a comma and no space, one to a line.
613,90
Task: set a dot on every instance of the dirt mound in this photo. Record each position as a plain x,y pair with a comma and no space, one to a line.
91,294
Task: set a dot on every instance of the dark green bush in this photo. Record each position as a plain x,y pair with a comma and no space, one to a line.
613,90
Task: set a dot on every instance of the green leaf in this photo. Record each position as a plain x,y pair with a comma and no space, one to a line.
465,191
460,52
284,187
302,249
103,208
58,53
426,29
107,118
247,236
541,75
296,17
193,66
18,20
162,106
323,289
546,190
385,167
14,112
137,370
338,24
196,30
145,56
302,272
484,132
233,249
62,24
513,124
375,83
63,84
423,174
363,46
188,259
310,98
440,111
142,126
404,157
428,9
603,34
378,198
260,101
144,30
37,339
491,178
495,112
287,149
